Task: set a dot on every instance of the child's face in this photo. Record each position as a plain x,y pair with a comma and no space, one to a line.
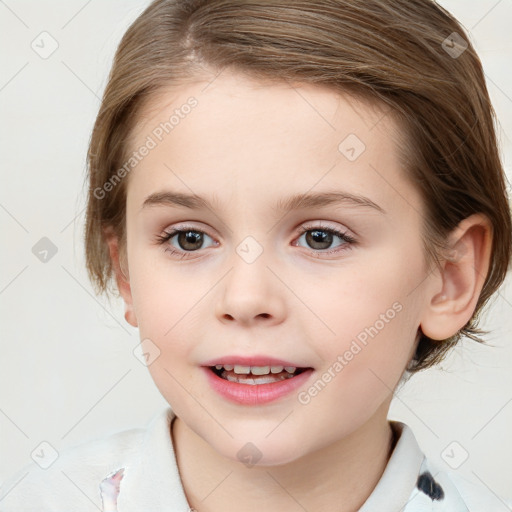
254,284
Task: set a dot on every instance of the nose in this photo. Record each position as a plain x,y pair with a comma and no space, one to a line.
251,294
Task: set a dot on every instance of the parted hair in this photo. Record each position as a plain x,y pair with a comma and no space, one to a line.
410,56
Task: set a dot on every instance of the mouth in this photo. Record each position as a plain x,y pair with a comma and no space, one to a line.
255,380
256,375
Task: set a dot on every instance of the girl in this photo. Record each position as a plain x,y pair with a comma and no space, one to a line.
302,205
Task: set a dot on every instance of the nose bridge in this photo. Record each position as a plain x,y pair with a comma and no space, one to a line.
249,261
249,290
249,234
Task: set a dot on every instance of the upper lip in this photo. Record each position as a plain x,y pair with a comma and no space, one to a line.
251,361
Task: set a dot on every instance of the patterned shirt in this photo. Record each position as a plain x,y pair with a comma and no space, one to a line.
135,470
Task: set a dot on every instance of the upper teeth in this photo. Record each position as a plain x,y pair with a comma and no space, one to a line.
255,370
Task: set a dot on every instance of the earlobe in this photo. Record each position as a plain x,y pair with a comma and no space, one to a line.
121,274
463,272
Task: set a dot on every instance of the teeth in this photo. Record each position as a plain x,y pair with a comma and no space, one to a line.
260,370
255,370
259,380
242,369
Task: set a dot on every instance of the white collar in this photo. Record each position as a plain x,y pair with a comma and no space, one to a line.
154,467
398,481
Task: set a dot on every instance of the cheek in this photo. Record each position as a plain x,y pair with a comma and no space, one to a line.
372,315
169,306
364,360
376,292
159,290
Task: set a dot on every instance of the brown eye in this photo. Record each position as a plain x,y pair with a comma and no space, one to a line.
320,238
189,240
186,241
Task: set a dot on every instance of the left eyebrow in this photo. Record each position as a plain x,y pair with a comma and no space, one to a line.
295,202
320,199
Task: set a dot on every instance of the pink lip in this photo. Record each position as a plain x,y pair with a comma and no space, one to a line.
251,361
258,394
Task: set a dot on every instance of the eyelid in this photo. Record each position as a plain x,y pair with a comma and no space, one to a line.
319,224
184,226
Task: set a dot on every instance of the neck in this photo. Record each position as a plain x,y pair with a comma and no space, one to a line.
337,478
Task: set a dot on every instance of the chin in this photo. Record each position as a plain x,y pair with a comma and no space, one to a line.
260,452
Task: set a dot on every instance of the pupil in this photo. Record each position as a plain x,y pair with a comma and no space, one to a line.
319,237
189,237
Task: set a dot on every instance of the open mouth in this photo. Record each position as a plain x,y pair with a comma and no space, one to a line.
254,375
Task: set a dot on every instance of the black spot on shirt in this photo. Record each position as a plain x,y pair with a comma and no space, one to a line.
430,487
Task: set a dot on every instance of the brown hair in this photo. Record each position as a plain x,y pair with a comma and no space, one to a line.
402,54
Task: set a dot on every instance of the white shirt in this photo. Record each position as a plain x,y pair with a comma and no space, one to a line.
136,471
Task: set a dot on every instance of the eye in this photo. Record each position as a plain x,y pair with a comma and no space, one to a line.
321,238
188,240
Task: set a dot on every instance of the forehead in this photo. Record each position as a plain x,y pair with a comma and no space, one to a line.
246,97
242,134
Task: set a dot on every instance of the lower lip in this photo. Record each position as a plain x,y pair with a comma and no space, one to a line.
255,394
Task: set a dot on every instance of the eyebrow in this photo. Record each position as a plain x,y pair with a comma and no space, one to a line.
295,202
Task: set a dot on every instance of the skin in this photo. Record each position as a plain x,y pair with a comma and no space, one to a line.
251,144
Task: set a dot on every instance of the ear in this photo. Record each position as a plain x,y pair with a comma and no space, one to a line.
119,260
464,270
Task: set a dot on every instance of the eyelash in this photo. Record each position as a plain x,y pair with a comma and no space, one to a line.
166,236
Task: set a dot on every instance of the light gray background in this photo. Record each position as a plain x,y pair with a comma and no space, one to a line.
67,369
